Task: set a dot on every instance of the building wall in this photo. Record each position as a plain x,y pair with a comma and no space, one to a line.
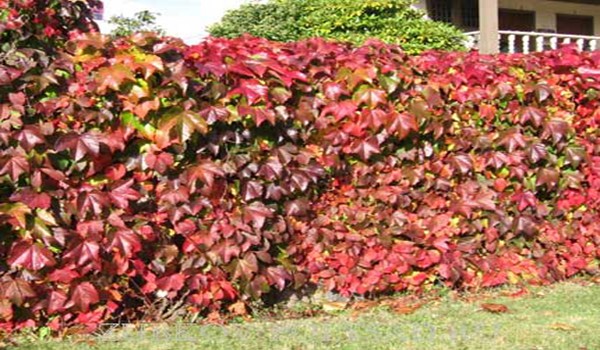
545,11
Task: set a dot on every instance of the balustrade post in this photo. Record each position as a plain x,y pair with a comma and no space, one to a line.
553,43
539,43
580,43
511,43
525,43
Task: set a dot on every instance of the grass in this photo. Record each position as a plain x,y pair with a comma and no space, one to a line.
562,316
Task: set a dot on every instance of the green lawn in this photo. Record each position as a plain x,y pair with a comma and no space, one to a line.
563,316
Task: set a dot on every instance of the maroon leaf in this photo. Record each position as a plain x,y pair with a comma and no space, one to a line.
159,161
30,256
252,190
513,140
366,148
524,200
246,267
524,224
575,155
556,129
271,169
257,213
79,144
548,177
534,115
536,152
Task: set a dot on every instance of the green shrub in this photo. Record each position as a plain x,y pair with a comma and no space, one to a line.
392,21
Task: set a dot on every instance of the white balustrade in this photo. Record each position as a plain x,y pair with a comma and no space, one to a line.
517,41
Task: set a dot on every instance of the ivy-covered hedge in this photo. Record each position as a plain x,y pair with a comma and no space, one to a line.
144,179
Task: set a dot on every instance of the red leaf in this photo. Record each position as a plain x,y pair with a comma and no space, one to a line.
225,251
251,89
206,171
494,308
56,301
485,200
13,165
340,110
524,200
84,253
401,124
93,201
65,275
126,242
84,295
159,161
122,193
32,199
30,256
173,282
30,136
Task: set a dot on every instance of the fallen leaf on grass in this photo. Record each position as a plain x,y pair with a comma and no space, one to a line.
403,307
406,309
334,306
521,292
214,318
238,309
494,308
562,327
364,305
